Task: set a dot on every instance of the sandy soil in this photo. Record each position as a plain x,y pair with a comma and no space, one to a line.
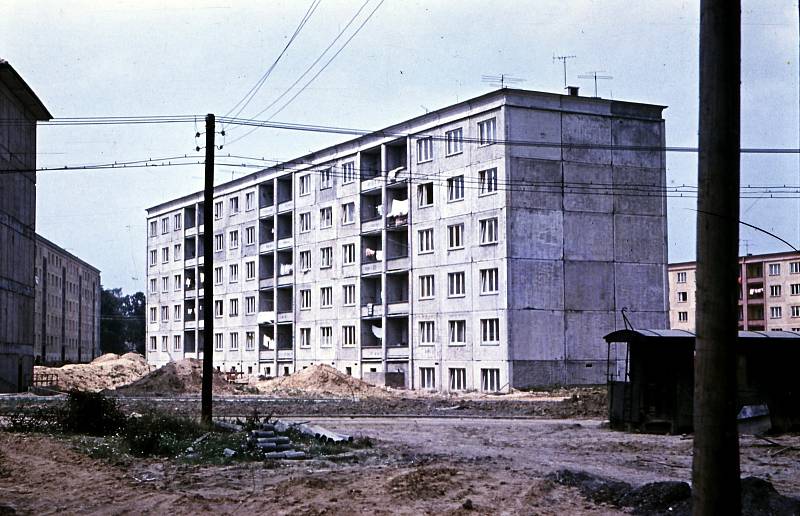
104,372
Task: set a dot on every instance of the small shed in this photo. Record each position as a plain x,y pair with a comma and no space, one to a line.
651,378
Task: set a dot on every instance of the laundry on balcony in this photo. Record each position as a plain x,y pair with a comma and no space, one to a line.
377,331
267,317
394,173
376,255
398,213
285,269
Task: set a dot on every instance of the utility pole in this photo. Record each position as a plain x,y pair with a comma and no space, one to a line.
716,488
208,268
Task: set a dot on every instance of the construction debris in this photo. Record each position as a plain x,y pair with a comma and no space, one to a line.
314,431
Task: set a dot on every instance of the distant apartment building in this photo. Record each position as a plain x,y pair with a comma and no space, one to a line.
20,109
486,245
769,293
67,314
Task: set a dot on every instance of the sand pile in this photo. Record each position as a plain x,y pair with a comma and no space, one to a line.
179,377
104,372
320,380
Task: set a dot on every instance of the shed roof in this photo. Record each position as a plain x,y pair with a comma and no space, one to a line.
22,91
657,334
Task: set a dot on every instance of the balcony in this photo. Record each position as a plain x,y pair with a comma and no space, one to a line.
371,353
285,355
397,308
266,283
372,226
266,247
371,310
397,332
398,264
397,353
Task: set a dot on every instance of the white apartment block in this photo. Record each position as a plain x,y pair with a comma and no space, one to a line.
769,293
482,246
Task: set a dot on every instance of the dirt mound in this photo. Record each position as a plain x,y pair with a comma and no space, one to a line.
323,380
179,377
104,372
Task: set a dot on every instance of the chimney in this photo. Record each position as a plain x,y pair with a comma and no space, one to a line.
572,91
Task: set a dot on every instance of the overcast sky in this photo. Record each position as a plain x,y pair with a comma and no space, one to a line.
161,57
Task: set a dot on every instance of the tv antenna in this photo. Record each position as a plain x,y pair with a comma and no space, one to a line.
563,59
594,74
502,80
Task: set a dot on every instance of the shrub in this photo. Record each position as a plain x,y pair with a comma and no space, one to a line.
157,433
91,413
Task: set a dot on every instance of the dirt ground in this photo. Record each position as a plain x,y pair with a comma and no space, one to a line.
418,466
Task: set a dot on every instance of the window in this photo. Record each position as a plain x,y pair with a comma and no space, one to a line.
325,336
305,222
234,308
774,269
683,316
794,267
219,242
249,201
250,340
425,195
795,311
305,184
775,290
165,225
250,305
794,289
325,179
427,287
177,312
490,331
681,277
424,149
458,378
153,314
349,295
234,205
177,283
218,275
233,272
348,213
427,332
165,255
153,285
218,308
348,172
326,217
455,141
490,281
250,235
488,229
305,299
165,284
153,228
455,284
487,131
234,341
488,181
455,236
176,343
457,332
217,342
427,378
348,254
176,252
490,380
250,270
775,312
153,344
233,239
177,220
683,297
455,188
164,343
425,241
153,257
164,313
218,210
305,337
348,336
305,260
326,297
326,257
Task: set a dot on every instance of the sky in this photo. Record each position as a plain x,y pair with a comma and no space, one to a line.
162,57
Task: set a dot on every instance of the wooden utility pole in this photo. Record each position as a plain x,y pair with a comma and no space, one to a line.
715,466
208,268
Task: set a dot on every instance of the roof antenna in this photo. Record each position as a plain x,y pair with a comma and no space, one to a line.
594,75
501,81
628,324
563,59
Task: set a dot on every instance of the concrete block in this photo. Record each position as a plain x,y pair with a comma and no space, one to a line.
588,285
584,332
537,184
640,286
638,191
583,129
538,127
586,372
640,238
537,373
588,236
590,181
537,284
546,343
535,233
638,133
640,319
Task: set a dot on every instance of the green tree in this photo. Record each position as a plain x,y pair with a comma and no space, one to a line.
122,321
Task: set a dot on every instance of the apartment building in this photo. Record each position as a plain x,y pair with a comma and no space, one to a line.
485,245
769,293
20,109
67,309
